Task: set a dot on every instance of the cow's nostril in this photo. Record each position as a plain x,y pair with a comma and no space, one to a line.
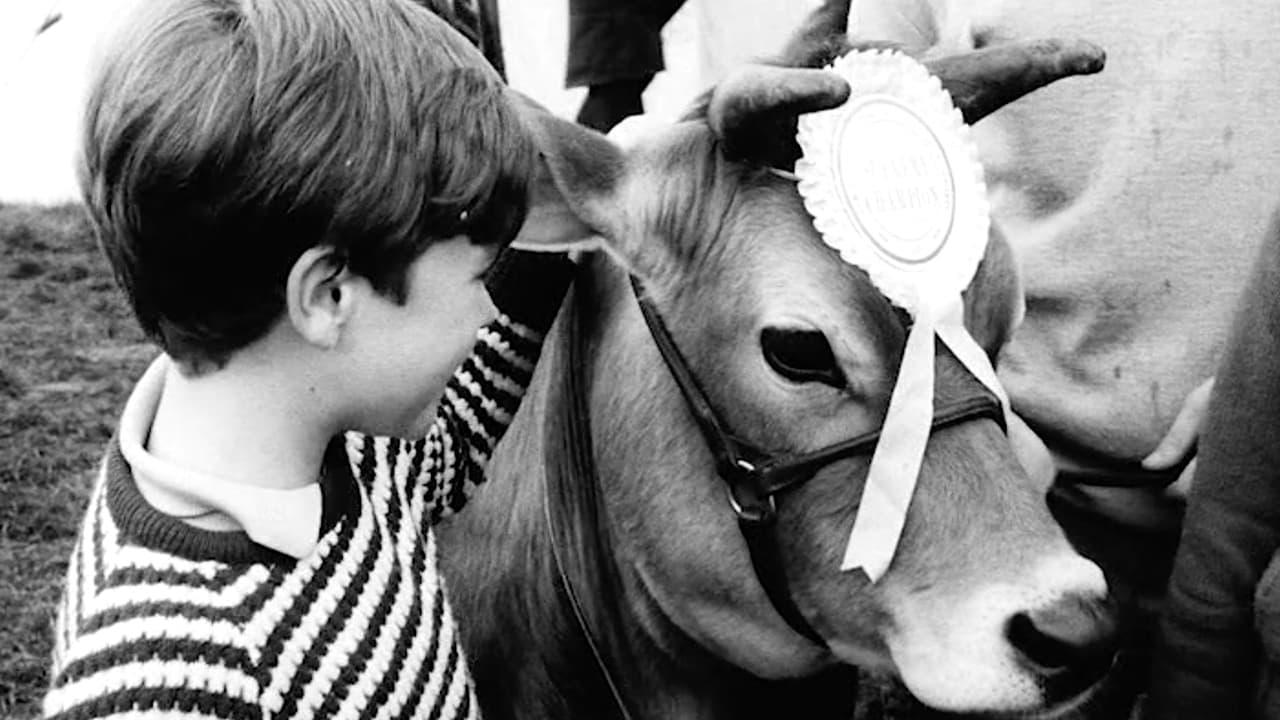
1070,642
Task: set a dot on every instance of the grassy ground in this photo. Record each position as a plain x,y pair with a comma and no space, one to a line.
68,354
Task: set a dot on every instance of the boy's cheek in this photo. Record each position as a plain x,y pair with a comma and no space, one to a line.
482,312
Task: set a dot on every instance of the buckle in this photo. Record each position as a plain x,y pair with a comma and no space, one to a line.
753,509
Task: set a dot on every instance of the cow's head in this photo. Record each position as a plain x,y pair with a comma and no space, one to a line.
985,606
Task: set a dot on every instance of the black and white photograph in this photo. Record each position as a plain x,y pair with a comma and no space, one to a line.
639,359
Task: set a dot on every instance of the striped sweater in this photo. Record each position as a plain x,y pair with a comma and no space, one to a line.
163,619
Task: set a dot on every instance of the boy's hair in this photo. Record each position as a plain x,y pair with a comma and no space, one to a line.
223,138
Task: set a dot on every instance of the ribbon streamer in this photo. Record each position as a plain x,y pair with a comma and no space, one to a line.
895,465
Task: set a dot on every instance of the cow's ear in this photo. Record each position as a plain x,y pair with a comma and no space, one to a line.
994,302
574,200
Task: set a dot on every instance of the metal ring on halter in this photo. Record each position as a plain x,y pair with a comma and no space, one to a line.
759,511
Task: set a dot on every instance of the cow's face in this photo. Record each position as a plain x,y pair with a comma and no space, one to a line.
985,606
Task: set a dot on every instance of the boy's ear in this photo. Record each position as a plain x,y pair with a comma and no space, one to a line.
318,296
575,201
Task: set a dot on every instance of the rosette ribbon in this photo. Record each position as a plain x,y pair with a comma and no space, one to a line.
893,183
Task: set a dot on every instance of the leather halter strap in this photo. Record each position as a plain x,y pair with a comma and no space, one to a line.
570,467
754,477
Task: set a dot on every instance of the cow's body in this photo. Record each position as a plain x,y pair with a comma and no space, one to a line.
985,606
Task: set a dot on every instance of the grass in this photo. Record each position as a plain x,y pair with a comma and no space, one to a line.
69,352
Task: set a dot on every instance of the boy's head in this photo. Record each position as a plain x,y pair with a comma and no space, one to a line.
224,139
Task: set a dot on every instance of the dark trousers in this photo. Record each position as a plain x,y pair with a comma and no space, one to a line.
477,20
612,40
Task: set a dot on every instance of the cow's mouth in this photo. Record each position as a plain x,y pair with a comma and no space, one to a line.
1085,703
1072,707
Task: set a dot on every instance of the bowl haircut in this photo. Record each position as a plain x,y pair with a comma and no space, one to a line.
224,138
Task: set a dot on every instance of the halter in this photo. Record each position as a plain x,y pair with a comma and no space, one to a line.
753,477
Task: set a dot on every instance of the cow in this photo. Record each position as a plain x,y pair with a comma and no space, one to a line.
604,572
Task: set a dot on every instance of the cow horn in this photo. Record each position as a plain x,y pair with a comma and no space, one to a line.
754,111
983,81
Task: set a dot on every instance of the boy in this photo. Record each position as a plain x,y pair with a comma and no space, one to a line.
301,201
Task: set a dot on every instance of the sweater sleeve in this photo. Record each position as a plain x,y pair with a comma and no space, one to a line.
1207,653
438,471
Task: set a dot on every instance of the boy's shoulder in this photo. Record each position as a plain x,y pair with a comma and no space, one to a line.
127,607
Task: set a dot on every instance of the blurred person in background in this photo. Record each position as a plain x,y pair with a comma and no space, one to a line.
617,47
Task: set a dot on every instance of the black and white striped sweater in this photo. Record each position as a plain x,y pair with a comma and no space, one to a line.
163,619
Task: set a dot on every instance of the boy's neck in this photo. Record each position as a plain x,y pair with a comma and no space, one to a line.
247,423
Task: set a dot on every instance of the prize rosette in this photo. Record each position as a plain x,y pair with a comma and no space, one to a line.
893,183
892,179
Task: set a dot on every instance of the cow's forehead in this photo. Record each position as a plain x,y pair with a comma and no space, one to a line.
729,220
736,231
802,282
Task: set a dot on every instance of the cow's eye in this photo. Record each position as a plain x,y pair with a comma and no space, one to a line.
801,356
